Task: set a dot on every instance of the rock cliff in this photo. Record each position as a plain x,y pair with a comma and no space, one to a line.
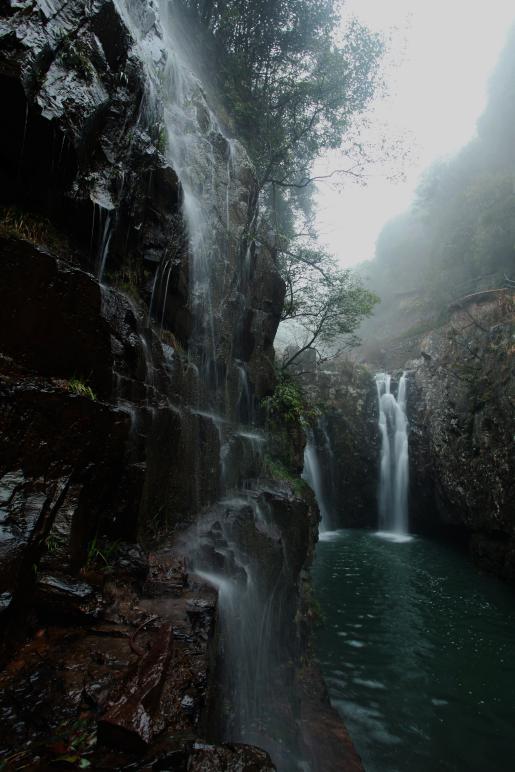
134,354
461,414
347,441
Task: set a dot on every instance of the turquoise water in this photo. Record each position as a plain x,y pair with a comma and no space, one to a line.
418,651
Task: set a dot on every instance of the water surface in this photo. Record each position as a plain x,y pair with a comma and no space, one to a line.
418,651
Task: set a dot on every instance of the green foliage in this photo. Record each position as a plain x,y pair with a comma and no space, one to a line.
100,553
288,405
293,86
298,81
52,544
69,747
78,386
162,139
75,56
325,303
288,413
313,608
128,280
275,468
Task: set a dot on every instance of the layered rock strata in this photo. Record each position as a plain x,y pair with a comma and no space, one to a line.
120,437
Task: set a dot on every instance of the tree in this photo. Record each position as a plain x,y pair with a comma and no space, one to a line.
324,304
293,88
296,86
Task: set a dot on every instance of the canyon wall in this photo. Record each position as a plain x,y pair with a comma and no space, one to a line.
138,313
461,413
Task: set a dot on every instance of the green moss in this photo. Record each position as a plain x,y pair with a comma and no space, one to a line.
275,468
288,404
162,139
77,386
128,280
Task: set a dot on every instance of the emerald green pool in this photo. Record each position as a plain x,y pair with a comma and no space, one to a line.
418,651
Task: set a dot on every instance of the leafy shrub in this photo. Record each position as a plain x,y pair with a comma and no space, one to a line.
288,404
77,386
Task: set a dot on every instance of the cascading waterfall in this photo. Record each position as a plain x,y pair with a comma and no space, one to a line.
393,476
250,604
206,162
228,543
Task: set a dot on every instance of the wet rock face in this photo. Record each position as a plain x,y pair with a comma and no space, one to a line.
461,428
103,686
256,549
85,145
83,89
42,300
106,446
348,442
81,145
91,442
48,477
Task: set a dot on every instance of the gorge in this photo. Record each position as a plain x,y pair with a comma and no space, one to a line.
180,501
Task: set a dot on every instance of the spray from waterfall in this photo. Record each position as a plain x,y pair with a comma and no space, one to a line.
393,475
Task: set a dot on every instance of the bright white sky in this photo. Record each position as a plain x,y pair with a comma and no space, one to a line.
443,52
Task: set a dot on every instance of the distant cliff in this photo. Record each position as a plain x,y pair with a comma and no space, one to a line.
462,424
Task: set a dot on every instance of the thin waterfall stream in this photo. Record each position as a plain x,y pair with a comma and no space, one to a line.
312,474
318,472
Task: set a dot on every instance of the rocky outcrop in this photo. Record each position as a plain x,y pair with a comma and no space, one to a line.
119,438
460,406
101,448
76,138
347,441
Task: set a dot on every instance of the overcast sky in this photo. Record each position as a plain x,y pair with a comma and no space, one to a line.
443,52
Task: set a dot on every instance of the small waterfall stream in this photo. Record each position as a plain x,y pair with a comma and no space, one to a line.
393,476
314,474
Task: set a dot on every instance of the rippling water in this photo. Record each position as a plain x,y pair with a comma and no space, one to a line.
418,651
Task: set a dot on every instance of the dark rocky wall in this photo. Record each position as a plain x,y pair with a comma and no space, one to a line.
461,414
348,442
106,456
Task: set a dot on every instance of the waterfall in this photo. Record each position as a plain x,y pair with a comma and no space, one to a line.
234,543
312,474
393,474
250,606
208,164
